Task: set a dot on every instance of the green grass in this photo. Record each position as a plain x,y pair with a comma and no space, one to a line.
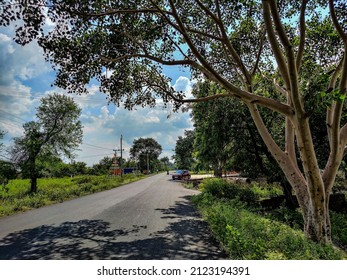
248,232
15,196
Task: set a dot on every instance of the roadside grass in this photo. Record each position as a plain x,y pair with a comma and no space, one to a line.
15,196
246,231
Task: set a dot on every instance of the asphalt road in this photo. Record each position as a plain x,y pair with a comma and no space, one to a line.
149,219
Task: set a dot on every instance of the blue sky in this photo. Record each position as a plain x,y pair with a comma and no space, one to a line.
25,77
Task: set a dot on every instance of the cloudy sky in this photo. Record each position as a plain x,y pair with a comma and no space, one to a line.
25,77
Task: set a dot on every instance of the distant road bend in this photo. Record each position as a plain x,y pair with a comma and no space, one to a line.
148,219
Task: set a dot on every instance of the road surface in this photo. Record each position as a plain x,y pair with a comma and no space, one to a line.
148,219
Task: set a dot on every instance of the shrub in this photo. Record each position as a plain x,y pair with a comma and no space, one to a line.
266,190
223,189
339,229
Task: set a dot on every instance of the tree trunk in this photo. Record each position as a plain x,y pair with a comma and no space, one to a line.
33,184
316,225
288,196
317,216
218,172
33,174
308,186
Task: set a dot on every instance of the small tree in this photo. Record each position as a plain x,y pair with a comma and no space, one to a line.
57,131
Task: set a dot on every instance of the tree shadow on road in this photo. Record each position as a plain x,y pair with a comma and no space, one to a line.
184,238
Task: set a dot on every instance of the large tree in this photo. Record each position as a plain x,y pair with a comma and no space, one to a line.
225,41
57,132
216,124
146,152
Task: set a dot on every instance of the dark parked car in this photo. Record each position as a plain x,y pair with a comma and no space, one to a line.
181,174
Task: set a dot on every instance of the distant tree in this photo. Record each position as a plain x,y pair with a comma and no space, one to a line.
51,166
184,150
130,163
57,131
146,151
78,168
7,171
2,133
102,167
165,162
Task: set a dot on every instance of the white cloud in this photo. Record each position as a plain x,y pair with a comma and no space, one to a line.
4,38
151,117
185,85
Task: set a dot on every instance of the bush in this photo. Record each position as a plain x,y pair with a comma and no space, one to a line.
339,229
266,190
223,189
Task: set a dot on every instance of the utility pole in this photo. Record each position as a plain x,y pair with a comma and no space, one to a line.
114,163
121,155
147,163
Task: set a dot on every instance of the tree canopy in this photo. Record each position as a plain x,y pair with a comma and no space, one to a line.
239,45
184,150
146,151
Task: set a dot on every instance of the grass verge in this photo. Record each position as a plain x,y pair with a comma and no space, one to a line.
15,196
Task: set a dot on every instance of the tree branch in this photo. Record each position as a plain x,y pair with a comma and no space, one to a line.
337,112
302,35
226,41
336,23
336,73
330,111
248,98
204,34
259,54
274,45
150,57
291,62
116,12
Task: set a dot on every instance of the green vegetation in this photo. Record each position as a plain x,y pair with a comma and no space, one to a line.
16,196
246,231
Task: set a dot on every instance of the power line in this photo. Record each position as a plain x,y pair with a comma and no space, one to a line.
6,157
11,120
17,126
7,113
83,99
98,147
95,155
